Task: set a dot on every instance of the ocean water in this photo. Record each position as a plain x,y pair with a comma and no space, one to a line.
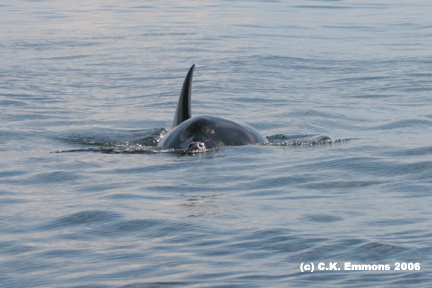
342,89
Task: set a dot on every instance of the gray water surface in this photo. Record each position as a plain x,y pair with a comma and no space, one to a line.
105,76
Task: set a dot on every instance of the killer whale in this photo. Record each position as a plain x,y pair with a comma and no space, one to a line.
204,132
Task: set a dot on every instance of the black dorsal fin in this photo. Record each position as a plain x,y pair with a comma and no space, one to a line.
183,111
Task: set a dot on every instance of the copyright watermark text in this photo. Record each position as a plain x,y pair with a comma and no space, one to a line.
348,266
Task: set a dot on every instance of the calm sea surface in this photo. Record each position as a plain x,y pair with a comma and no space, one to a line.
342,89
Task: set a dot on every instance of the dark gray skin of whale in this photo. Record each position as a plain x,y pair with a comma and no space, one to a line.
205,132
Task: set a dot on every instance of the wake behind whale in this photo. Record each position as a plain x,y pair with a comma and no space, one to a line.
188,135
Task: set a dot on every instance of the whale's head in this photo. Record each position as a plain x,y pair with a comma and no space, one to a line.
208,132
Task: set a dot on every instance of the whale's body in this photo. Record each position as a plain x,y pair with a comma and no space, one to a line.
205,132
